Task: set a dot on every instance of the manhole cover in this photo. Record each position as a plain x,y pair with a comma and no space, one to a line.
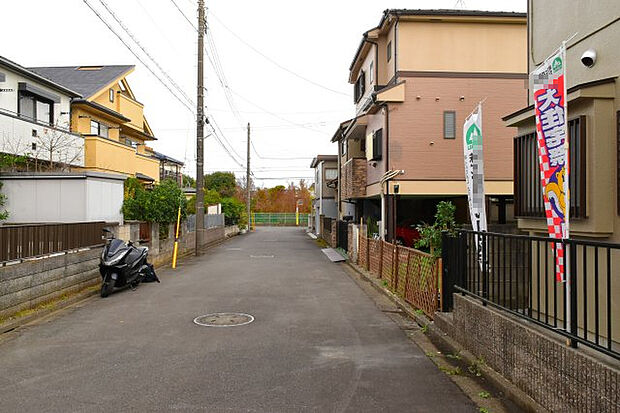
223,320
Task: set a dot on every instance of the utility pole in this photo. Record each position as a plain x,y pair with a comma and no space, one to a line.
200,124
247,182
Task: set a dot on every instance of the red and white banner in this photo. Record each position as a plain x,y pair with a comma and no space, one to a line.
549,87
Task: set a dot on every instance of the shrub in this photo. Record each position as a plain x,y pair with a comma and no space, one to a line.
430,235
211,198
157,205
234,212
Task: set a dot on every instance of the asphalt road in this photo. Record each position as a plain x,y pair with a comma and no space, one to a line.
318,343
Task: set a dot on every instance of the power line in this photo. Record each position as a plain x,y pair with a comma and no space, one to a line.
183,14
217,67
275,62
185,104
124,27
219,71
299,125
137,56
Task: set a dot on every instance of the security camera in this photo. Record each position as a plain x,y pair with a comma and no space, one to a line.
588,58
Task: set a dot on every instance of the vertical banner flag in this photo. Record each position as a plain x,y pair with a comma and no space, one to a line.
474,174
549,87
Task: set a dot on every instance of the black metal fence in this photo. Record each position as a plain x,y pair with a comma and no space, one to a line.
517,273
343,235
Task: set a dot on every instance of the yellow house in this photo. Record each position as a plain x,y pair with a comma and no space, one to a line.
109,118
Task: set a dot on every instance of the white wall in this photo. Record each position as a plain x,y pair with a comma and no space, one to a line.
104,199
16,135
58,198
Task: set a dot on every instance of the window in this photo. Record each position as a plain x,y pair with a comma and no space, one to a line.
26,106
360,87
389,51
44,112
35,108
99,129
103,130
111,95
363,145
527,185
449,125
372,73
377,145
331,173
343,147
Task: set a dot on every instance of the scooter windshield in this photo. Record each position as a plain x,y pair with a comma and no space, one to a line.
116,245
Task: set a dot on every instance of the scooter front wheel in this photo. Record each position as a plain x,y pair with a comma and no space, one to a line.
108,286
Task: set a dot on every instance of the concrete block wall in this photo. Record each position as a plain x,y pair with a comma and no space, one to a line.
538,362
27,284
160,251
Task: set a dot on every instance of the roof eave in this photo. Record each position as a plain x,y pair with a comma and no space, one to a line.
25,72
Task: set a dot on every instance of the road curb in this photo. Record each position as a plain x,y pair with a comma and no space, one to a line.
441,339
38,314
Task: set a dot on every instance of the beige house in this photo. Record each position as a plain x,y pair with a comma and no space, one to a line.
594,118
416,77
592,68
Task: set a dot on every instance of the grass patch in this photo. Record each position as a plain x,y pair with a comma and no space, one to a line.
419,311
454,356
451,371
424,329
321,243
474,367
46,305
484,394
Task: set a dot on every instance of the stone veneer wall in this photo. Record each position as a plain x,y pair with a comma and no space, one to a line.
539,363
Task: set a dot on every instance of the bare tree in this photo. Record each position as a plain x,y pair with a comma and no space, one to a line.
61,147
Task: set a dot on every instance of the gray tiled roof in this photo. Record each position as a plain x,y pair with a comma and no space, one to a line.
85,82
9,64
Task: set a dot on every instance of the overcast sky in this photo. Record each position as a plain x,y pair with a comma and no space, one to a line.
291,118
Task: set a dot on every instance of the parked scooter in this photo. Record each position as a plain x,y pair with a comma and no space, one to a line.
123,265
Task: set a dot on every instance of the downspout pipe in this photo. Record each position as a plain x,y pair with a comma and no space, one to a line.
385,179
376,57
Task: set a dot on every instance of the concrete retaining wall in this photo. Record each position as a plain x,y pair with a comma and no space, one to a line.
537,362
26,285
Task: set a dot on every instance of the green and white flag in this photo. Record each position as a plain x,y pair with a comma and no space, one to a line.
474,174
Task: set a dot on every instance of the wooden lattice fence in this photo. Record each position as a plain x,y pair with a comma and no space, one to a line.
411,274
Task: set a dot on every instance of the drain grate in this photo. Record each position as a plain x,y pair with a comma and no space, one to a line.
223,319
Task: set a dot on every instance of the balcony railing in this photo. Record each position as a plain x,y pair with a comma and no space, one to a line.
26,137
353,175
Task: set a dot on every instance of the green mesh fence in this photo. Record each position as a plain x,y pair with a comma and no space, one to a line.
278,219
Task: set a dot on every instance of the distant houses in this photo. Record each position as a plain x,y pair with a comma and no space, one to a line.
67,136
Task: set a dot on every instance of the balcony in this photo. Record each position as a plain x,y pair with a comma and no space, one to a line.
26,137
106,155
353,175
133,110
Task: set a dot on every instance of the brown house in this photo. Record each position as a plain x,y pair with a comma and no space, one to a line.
417,76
